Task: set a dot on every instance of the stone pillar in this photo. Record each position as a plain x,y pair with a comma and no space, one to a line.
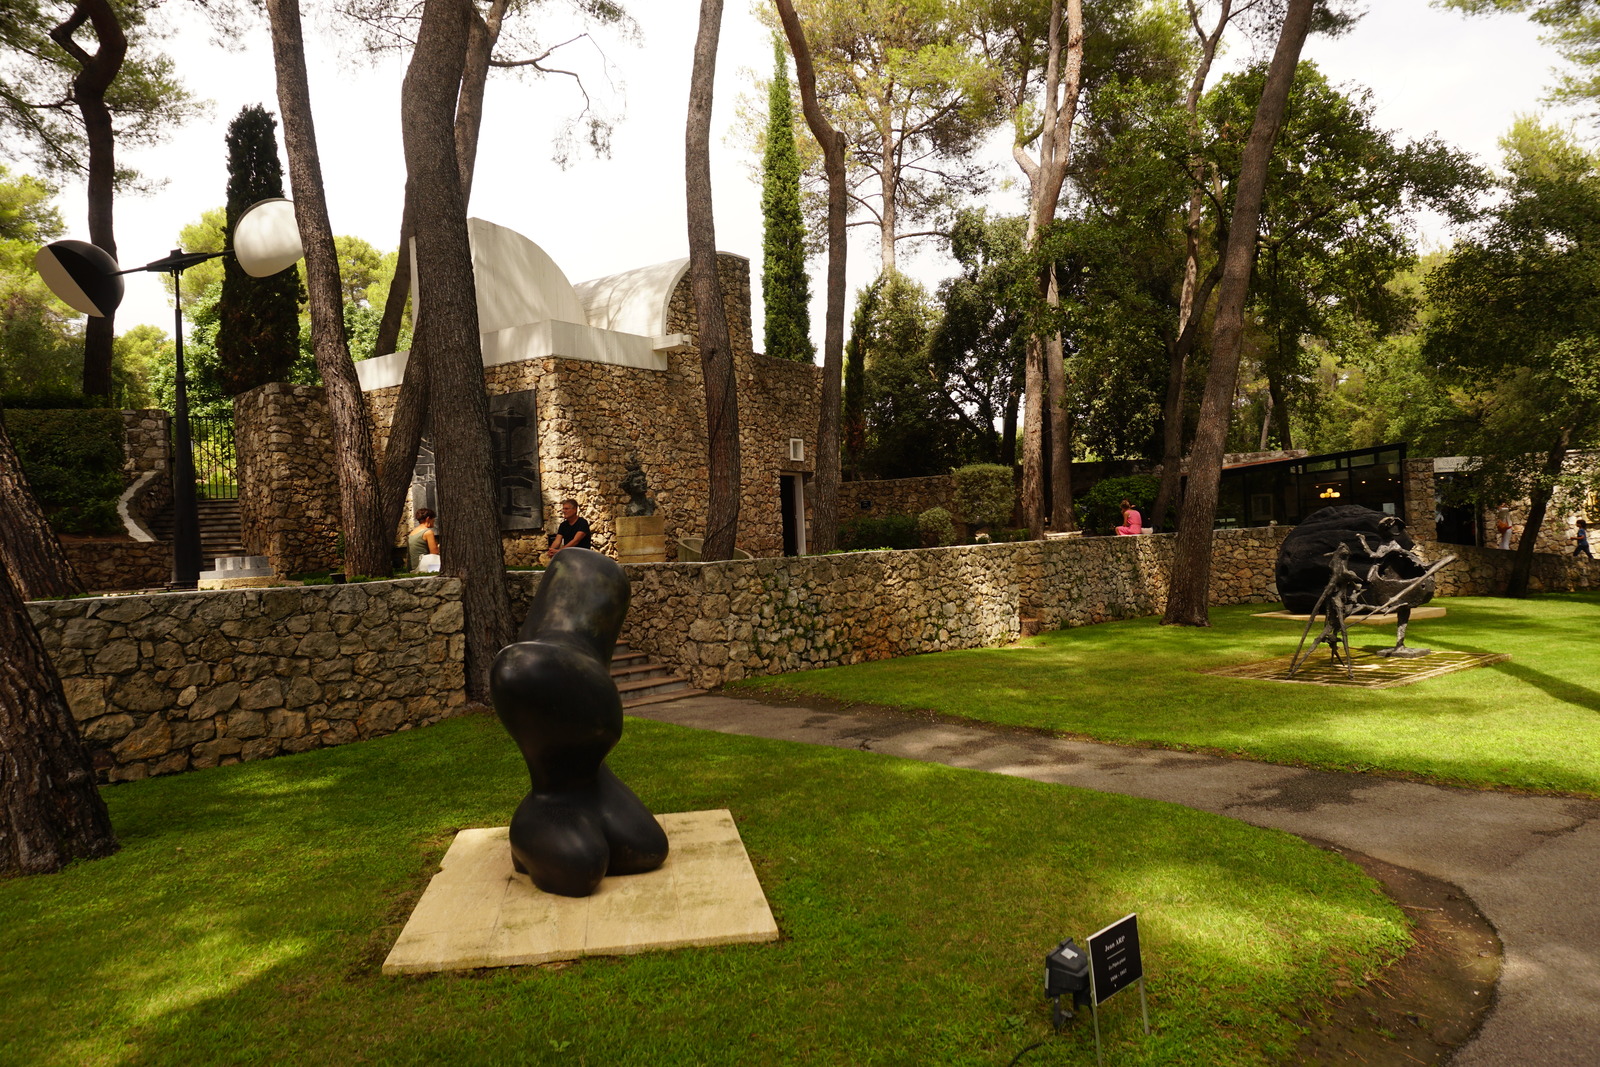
1417,480
288,488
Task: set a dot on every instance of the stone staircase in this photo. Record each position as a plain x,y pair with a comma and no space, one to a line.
641,680
219,530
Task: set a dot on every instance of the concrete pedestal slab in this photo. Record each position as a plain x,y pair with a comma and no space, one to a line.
478,912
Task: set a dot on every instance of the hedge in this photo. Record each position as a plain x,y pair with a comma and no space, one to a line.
73,461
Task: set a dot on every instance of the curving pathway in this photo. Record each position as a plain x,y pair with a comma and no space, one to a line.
1531,864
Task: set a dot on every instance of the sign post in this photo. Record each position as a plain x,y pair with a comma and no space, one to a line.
1114,964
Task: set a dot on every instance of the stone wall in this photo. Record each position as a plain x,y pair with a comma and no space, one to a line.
105,565
1487,571
289,508
146,441
718,622
896,496
174,681
170,682
1417,482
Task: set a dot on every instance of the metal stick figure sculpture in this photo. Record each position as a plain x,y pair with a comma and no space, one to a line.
553,692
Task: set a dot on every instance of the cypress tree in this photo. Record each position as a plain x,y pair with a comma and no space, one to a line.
258,328
786,290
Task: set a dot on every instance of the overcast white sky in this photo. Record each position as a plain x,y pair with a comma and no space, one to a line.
1430,71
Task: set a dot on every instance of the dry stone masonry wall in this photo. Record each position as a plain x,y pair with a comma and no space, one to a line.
288,490
896,496
165,683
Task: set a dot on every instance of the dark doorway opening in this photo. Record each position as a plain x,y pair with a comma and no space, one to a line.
791,499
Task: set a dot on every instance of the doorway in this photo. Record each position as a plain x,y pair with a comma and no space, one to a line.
792,503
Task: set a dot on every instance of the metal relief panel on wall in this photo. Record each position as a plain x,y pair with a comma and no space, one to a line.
514,434
424,486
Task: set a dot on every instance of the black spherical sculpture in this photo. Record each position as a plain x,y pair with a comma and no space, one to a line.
553,691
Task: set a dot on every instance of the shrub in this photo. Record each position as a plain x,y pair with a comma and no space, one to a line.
936,528
73,462
1100,508
985,494
890,531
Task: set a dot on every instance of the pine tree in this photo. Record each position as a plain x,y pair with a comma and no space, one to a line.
258,332
786,290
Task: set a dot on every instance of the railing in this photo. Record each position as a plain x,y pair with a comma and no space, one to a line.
216,466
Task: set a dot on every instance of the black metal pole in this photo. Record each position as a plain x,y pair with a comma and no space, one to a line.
186,511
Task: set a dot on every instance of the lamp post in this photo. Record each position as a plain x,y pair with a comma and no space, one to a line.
266,240
185,506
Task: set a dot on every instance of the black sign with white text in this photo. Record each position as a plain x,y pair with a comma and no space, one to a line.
1114,958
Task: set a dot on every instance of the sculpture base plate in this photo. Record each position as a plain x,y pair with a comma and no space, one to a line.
1369,669
477,912
1424,612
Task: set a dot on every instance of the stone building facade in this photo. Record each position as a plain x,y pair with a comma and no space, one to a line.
593,415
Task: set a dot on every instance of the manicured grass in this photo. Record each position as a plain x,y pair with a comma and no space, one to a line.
1530,723
246,917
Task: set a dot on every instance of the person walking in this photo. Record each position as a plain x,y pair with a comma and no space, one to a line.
1502,525
1583,540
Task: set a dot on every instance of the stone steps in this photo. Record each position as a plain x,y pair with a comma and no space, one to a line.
219,530
641,680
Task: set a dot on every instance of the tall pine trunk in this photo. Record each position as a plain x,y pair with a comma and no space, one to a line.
447,322
96,72
825,497
716,351
1189,600
368,545
1047,437
51,812
29,548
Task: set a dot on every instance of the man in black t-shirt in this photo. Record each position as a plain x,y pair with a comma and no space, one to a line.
573,531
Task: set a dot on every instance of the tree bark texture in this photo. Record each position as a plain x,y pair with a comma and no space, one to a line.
368,545
1189,600
29,548
411,405
1191,302
96,72
1538,506
51,812
825,487
447,321
716,351
1046,373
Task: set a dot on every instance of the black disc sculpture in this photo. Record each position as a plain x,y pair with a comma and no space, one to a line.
1349,561
553,691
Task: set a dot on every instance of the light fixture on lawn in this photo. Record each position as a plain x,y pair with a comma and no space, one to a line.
266,240
1066,973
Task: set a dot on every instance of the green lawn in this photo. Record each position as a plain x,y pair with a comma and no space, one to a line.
1530,723
245,919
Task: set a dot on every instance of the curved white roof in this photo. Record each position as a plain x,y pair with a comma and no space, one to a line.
517,282
634,301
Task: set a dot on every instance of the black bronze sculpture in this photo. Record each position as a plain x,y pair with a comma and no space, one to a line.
1347,562
553,691
636,486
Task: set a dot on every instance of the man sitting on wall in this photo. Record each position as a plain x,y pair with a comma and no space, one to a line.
573,531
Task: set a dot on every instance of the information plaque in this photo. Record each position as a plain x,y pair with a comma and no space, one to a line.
1114,962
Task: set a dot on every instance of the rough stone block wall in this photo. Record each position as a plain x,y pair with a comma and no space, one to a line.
289,508
1417,481
718,622
1487,571
896,496
107,566
161,684
146,441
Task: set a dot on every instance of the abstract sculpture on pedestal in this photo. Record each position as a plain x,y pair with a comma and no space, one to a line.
1349,562
553,692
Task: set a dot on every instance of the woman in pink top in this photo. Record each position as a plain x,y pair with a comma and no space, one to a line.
1130,516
